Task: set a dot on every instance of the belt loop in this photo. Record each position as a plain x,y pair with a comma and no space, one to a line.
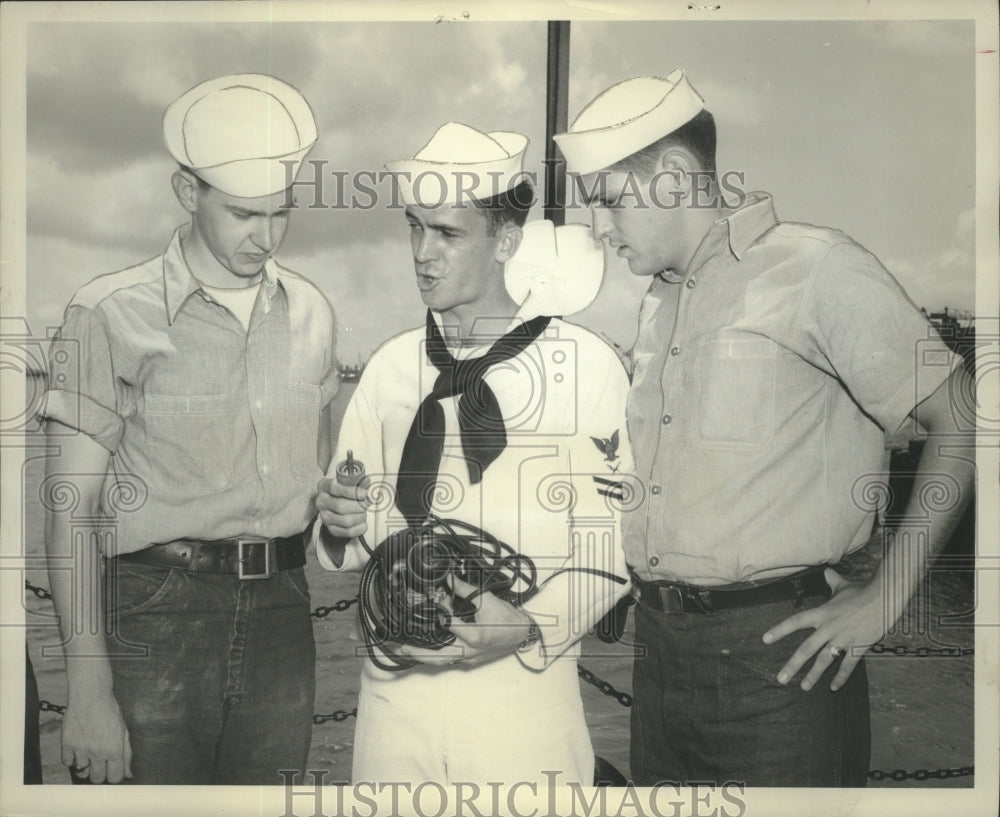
796,583
193,554
704,599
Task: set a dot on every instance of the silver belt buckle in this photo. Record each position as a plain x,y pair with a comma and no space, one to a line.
241,559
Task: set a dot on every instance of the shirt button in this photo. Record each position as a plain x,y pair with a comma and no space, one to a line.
675,351
258,404
666,419
690,283
654,561
655,490
263,468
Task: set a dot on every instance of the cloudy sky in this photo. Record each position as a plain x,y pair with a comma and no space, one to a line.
867,126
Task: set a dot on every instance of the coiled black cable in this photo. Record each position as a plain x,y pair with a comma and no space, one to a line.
404,596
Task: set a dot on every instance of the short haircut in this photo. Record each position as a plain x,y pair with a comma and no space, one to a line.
202,184
511,205
697,136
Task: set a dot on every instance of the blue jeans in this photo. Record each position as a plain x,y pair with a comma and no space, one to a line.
707,707
222,688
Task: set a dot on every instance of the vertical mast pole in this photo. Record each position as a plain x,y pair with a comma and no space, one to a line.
556,119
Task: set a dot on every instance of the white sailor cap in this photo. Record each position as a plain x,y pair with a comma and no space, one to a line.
459,164
244,134
626,118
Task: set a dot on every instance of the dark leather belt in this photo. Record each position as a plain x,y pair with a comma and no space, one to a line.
248,558
677,597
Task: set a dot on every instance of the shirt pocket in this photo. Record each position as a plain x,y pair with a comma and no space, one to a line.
304,417
736,389
188,440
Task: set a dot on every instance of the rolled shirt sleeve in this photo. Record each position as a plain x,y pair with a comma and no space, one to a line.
866,331
81,391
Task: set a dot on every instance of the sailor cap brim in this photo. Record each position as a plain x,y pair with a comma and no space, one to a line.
626,118
459,164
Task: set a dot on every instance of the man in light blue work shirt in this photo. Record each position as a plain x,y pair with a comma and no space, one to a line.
772,359
199,385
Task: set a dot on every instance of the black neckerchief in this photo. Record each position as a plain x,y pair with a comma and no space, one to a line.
484,435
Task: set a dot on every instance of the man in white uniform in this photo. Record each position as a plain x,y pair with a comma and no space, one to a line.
498,705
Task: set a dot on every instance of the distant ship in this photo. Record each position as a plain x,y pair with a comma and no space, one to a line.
957,328
351,374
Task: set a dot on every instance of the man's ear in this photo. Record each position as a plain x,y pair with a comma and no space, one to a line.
674,173
509,237
186,189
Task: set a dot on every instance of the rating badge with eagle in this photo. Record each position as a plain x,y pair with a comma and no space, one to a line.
608,446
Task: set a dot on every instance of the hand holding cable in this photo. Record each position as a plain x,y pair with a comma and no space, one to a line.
407,593
494,630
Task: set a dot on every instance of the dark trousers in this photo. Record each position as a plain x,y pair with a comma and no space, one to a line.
32,748
215,676
707,707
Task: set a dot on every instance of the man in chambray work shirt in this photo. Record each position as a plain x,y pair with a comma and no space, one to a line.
199,383
771,360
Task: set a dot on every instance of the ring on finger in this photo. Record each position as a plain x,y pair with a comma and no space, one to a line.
836,652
